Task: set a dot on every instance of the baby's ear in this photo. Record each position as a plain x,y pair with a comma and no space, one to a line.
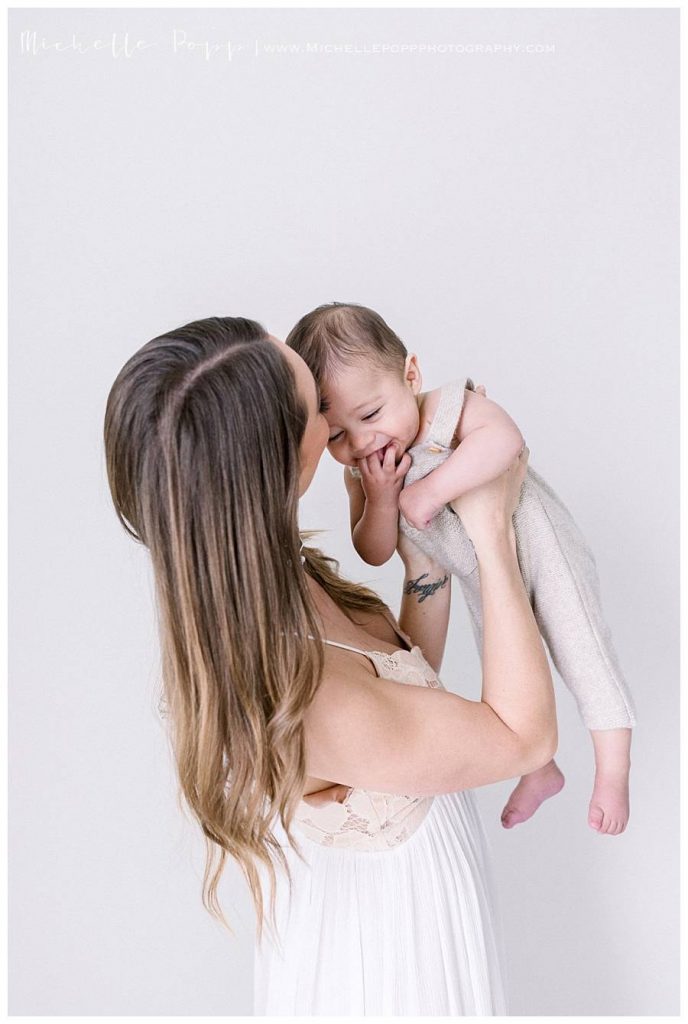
412,375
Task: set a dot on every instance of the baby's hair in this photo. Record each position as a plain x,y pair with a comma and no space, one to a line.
341,334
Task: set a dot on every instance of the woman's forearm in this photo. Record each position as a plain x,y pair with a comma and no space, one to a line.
517,682
425,604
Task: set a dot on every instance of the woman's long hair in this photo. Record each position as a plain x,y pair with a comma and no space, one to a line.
202,433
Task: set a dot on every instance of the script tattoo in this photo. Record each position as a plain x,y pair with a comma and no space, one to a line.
424,589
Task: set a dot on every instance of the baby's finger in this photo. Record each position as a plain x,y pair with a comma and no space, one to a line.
389,459
373,468
362,465
480,390
404,466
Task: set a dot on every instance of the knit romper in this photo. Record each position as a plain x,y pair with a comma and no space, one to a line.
558,570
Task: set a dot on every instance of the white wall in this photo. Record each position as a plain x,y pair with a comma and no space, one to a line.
513,215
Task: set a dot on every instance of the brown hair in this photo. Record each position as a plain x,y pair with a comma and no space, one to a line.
340,334
202,433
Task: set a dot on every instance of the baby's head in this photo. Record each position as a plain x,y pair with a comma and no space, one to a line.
368,382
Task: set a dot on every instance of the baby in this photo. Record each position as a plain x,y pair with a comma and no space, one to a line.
408,454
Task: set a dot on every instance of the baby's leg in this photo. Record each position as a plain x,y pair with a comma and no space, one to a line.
609,806
561,576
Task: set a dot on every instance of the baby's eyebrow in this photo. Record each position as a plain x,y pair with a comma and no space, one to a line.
368,401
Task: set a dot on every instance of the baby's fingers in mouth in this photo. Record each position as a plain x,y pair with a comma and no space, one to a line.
395,448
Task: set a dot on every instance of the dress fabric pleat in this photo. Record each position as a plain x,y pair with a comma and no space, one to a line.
381,922
410,930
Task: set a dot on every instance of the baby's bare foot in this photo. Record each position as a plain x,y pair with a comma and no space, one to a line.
609,807
531,791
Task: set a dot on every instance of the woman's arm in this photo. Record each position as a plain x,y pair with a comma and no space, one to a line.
413,739
425,601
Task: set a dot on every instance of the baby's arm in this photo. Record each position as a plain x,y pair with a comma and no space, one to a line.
488,442
374,505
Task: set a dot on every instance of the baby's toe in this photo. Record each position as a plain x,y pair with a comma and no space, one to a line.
595,818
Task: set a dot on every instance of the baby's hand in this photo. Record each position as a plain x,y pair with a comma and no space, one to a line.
382,481
417,505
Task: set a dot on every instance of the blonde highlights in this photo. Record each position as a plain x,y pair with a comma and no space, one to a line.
202,433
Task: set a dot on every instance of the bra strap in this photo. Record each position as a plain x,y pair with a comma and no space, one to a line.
344,647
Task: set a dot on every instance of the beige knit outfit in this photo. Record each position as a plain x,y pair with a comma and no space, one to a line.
558,569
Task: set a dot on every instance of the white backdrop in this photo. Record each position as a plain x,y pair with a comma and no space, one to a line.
513,213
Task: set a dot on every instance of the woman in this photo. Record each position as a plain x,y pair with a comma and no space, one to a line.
281,680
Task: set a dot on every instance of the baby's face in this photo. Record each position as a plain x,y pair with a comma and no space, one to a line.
368,409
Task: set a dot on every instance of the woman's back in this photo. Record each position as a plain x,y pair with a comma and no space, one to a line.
356,818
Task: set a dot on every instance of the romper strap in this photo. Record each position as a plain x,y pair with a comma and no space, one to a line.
446,419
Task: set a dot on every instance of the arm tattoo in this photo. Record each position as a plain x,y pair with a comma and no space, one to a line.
424,589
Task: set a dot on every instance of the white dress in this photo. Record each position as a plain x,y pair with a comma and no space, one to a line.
392,912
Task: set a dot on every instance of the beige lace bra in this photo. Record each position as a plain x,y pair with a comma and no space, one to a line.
367,820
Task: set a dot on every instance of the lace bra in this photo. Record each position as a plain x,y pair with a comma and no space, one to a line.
368,820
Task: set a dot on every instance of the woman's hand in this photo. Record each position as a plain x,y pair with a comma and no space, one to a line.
486,511
416,561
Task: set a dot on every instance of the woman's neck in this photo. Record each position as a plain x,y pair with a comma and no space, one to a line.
370,630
